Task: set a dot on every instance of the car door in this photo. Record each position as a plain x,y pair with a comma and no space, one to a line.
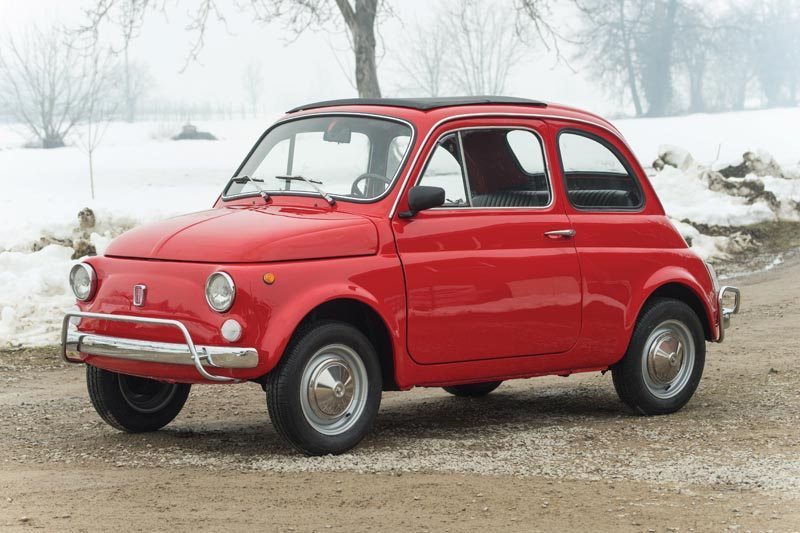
492,273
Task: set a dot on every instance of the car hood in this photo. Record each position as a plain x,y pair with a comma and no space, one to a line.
250,235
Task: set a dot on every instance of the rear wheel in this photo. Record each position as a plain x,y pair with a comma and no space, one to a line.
325,393
134,404
472,390
665,359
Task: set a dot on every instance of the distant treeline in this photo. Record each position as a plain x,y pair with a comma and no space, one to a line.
673,56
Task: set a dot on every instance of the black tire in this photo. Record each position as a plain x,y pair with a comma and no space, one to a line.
133,404
473,390
291,412
664,320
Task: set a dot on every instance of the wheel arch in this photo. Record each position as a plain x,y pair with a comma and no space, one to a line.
684,291
356,309
366,319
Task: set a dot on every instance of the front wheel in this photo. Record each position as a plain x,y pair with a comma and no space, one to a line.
325,393
665,359
133,404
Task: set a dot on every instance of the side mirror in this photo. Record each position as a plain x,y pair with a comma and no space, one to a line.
423,197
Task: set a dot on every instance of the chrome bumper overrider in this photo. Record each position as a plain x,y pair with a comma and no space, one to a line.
726,312
202,357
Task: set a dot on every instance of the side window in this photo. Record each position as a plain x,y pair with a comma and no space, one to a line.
506,168
444,170
596,177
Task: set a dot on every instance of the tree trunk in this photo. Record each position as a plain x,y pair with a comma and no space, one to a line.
91,173
637,103
361,24
129,104
659,78
52,140
697,102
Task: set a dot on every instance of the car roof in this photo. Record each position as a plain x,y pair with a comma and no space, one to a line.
440,108
423,104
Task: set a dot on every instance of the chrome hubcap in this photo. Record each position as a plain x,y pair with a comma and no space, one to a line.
669,359
333,390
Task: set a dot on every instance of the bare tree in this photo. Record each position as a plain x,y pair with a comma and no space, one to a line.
136,84
696,48
775,49
358,17
425,59
253,79
101,106
484,46
535,19
656,55
631,44
607,42
45,83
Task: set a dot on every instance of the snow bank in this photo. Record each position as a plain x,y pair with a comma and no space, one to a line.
686,196
691,191
34,293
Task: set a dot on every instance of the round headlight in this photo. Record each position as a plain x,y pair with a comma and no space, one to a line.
83,281
220,291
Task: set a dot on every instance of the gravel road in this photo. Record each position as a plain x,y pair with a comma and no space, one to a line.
543,454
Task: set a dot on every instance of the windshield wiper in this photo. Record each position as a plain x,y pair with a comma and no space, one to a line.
311,182
255,181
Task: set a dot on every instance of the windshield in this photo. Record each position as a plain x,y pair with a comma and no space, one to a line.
350,157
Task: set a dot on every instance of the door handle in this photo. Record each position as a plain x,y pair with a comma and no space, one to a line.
560,234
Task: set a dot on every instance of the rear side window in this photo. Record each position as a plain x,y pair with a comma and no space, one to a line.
596,177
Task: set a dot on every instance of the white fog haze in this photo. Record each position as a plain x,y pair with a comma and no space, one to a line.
313,66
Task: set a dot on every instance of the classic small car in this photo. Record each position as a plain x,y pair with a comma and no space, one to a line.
373,245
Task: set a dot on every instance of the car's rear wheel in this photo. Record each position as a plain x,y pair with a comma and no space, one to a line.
134,404
664,362
472,390
325,393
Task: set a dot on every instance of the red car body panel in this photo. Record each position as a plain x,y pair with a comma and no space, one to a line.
284,233
467,296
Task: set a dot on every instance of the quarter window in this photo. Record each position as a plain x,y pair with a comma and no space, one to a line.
444,170
595,176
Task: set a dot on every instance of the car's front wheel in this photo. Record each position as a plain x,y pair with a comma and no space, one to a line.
325,393
134,404
664,362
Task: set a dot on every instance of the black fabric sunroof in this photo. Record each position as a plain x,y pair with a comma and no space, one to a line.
423,104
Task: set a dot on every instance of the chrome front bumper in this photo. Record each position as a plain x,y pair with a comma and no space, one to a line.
726,312
202,357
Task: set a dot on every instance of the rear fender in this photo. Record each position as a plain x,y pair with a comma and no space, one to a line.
681,276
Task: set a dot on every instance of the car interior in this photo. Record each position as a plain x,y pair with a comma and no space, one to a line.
498,179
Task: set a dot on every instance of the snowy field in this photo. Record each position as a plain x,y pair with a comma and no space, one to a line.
141,175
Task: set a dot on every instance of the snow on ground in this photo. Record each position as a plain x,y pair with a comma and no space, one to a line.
732,134
141,175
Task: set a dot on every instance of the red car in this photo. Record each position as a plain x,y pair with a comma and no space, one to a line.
371,245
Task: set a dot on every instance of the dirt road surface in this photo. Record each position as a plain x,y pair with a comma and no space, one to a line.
537,455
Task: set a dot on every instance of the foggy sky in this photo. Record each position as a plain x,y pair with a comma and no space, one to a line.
295,71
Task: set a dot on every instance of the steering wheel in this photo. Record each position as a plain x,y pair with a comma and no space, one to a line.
369,179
